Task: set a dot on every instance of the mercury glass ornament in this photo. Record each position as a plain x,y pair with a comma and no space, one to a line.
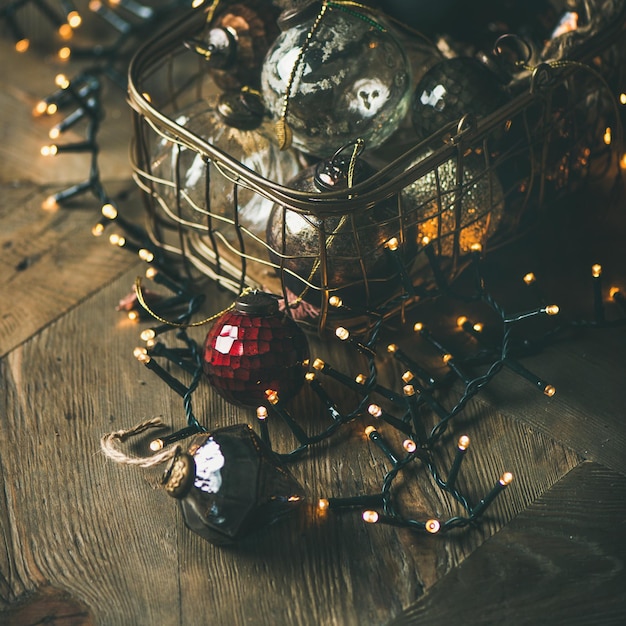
444,215
333,75
231,123
342,254
254,348
230,484
238,37
452,89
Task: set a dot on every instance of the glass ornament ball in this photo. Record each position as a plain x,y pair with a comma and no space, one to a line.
229,484
254,348
335,78
341,254
432,202
452,89
231,123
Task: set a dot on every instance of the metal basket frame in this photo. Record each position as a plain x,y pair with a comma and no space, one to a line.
534,111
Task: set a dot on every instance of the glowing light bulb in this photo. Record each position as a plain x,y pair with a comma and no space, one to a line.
596,270
622,161
622,98
49,150
40,108
22,45
432,526
65,31
342,333
61,81
323,504
197,3
392,244
97,230
146,255
50,204
309,376
109,211
360,378
392,347
371,517
375,411
552,309
461,320
51,109
133,316
476,247
613,292
54,132
506,479
139,352
261,413
156,445
409,445
478,327
549,391
464,442
446,358
418,326
607,136
147,334
318,364
272,396
335,301
425,240
74,19
369,430
530,278
117,240
64,53
408,376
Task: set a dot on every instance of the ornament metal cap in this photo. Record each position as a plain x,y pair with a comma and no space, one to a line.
257,303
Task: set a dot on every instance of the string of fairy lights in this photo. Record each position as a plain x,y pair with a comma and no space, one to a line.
416,404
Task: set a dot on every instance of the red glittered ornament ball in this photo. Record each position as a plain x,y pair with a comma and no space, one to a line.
253,348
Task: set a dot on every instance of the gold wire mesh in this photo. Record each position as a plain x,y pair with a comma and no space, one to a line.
553,127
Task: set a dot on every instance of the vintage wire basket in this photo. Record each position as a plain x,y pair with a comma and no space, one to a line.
556,124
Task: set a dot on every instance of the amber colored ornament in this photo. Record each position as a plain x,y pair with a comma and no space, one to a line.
230,484
254,348
236,42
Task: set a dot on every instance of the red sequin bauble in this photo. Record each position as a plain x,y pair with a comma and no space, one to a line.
253,348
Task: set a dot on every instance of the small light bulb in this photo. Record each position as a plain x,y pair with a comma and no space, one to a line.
318,364
323,504
146,255
147,334
530,278
97,230
65,31
109,211
408,376
61,81
342,333
52,108
613,292
607,136
147,96
596,270
476,247
133,316
549,390
409,445
371,517
95,5
50,150
139,352
261,413
156,445
552,309
478,327
622,162
425,240
408,390
54,132
309,376
50,204
117,240
391,348
506,479
464,442
446,358
335,301
375,411
392,244
22,45
64,53
369,430
432,526
360,378
272,396
622,98
74,19
40,108
418,326
461,320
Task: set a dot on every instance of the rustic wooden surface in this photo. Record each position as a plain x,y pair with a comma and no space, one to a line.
85,541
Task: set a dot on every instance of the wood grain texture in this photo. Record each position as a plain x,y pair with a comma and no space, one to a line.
117,544
562,561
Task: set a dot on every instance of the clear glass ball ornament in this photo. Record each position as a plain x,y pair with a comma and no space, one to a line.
231,123
444,214
333,76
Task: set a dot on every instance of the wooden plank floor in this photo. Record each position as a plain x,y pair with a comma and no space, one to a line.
84,541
